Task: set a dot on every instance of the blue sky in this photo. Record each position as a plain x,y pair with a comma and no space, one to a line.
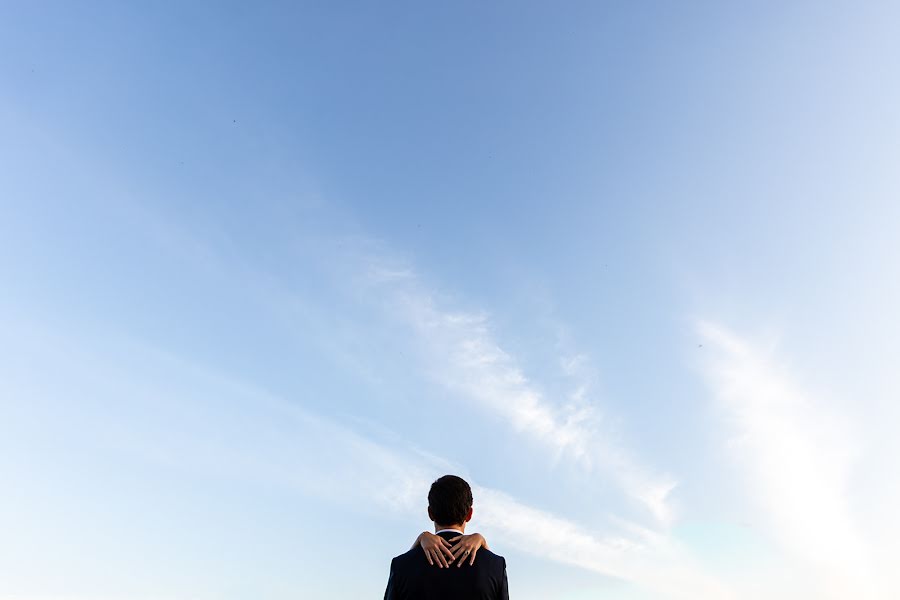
269,269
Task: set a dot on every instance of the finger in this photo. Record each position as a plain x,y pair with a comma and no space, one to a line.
444,560
459,537
428,556
439,559
472,560
447,552
463,558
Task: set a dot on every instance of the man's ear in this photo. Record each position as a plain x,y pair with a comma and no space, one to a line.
469,515
430,518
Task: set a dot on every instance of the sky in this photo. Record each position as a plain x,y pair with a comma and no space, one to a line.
268,269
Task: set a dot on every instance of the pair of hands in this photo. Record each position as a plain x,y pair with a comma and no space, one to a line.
446,552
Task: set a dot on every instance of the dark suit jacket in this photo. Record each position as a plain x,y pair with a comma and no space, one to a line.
412,578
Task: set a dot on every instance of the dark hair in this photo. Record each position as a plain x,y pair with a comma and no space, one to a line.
449,500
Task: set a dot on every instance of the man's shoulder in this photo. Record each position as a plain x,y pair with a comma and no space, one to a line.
410,556
489,558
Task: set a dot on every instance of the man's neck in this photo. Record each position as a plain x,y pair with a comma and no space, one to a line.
459,528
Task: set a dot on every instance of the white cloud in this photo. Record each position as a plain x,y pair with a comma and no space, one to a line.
466,358
650,560
798,453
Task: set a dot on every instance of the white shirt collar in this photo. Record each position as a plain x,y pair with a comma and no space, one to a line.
449,531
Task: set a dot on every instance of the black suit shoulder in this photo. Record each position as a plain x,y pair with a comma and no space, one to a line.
412,578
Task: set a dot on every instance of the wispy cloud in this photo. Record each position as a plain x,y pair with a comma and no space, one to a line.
467,358
798,453
648,559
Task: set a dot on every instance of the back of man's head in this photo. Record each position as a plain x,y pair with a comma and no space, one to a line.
450,500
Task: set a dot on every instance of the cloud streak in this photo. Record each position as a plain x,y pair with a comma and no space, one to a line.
466,358
652,561
797,454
